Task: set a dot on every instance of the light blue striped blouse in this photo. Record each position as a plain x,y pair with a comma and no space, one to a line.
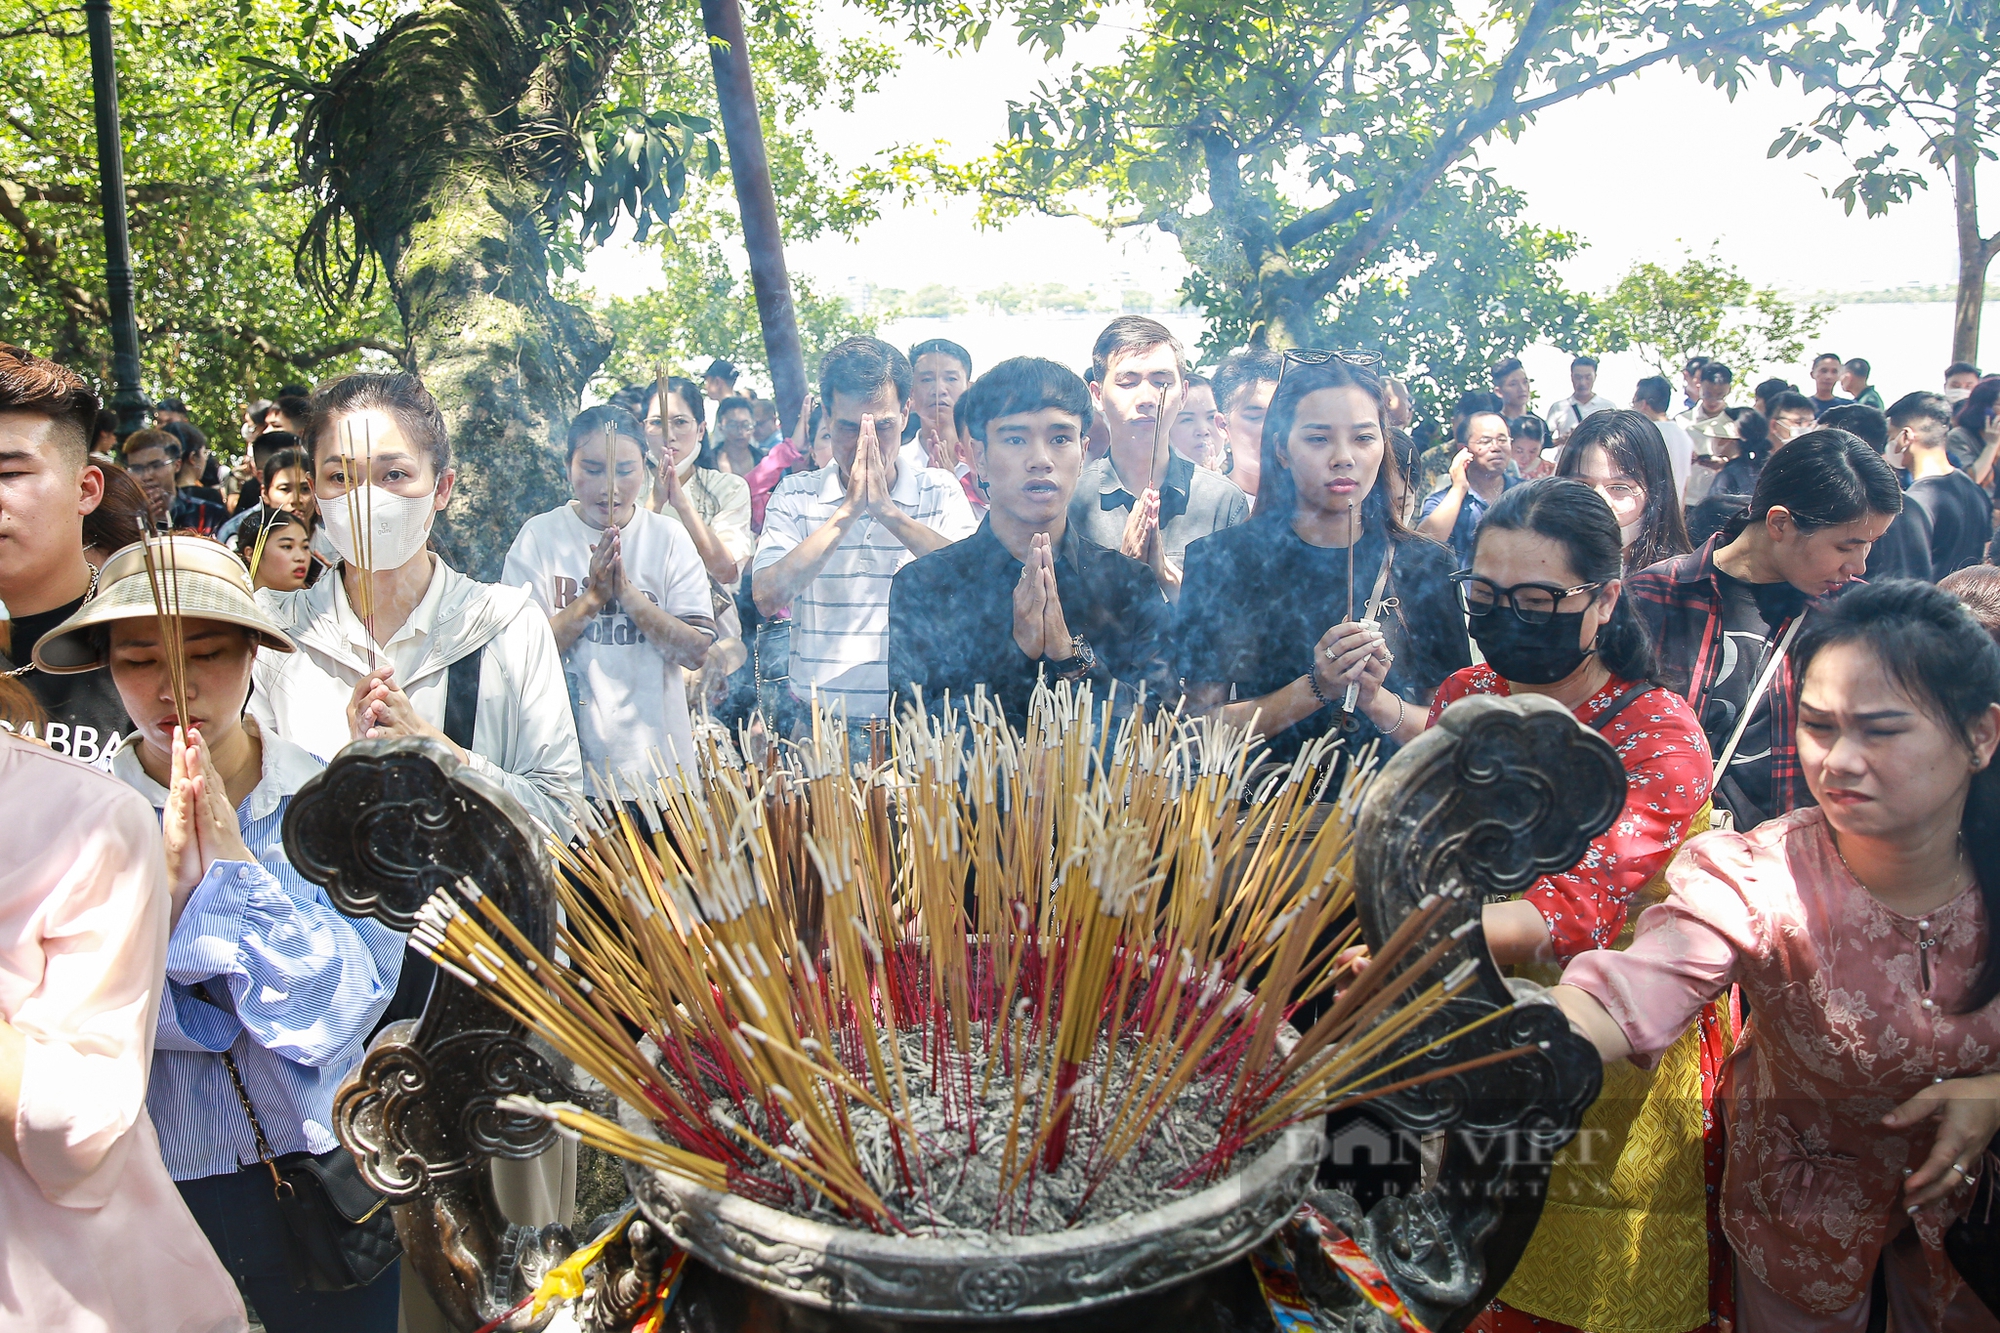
303,986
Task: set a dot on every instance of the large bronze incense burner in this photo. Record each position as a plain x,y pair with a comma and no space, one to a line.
1502,792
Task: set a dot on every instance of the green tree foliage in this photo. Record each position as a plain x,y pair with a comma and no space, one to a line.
214,211
1704,308
1932,75
1462,283
704,306
1292,144
705,309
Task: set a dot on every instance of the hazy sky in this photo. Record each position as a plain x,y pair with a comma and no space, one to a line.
1645,170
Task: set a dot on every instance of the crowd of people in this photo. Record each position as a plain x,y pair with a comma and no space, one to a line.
1780,613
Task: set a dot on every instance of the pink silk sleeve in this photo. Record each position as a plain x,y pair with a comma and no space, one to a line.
764,478
89,1024
1685,950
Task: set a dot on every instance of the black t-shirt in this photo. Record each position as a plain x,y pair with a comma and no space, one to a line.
1905,549
1961,520
1747,644
1256,598
86,718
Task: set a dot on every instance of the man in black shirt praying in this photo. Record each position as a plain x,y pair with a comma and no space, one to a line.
1027,596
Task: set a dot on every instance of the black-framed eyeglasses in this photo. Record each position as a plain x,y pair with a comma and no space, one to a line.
1308,356
1531,603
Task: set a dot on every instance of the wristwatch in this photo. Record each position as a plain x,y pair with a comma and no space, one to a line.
1082,657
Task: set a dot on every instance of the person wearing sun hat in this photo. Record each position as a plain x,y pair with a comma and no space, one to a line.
261,969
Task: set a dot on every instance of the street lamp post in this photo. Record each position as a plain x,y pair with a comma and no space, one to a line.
743,132
128,401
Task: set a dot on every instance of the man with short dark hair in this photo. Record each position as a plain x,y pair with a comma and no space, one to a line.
1904,551
1027,597
1142,498
1691,381
1792,415
719,380
1706,422
1827,369
1961,511
1854,383
169,409
769,434
942,369
1511,382
1650,399
735,448
1434,464
1566,414
47,485
289,414
153,457
1960,379
1478,477
833,539
1243,384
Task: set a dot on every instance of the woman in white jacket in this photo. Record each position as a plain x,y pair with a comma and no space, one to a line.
401,644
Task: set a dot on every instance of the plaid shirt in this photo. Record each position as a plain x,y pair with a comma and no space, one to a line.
1680,601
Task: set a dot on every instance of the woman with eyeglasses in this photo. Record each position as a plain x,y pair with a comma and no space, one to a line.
1544,600
1621,455
1324,587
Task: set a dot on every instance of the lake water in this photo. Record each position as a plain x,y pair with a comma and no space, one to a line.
1908,345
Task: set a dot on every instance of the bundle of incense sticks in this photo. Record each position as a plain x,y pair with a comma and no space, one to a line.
1064,934
162,581
360,499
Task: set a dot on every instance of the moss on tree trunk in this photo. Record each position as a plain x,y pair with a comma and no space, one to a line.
448,144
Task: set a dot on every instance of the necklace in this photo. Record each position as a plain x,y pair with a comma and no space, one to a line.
89,593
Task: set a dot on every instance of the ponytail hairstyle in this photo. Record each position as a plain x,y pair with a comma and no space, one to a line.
1928,643
1575,517
1825,478
397,395
1753,435
1632,444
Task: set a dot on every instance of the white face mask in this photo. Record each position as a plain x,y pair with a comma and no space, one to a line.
1956,395
685,467
399,524
1629,532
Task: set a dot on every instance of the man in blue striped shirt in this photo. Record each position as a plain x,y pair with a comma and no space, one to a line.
834,539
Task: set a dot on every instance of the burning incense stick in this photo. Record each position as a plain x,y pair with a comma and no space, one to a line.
947,988
1348,699
163,583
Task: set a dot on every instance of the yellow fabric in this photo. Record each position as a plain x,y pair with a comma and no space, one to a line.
1622,1246
565,1281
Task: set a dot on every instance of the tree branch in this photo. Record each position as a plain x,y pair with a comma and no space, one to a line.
1690,46
1310,224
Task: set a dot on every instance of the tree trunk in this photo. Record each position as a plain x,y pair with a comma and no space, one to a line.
1975,253
1274,295
447,142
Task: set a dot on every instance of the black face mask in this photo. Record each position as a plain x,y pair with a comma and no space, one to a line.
1531,654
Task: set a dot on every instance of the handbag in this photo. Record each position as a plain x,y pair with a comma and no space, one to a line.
338,1232
1973,1242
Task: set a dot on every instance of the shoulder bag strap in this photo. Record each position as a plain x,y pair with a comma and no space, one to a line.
1618,704
461,698
1757,695
264,1153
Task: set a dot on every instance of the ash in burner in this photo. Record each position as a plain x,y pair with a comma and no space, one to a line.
959,1173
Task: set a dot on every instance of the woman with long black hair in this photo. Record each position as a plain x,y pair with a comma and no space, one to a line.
1865,1092
1324,587
1721,616
1621,456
